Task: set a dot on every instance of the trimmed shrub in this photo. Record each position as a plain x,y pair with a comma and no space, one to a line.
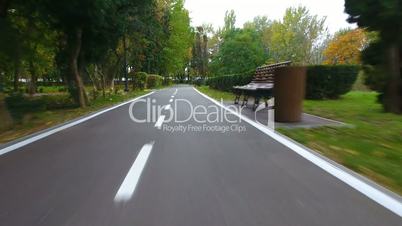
154,81
19,105
199,81
140,80
226,82
167,81
330,81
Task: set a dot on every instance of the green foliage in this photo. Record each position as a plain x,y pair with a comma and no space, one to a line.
329,82
140,80
383,58
167,81
372,146
154,81
295,37
226,82
199,81
200,55
241,51
176,53
375,71
20,105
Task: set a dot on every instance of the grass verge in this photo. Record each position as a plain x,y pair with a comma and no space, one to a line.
216,94
371,147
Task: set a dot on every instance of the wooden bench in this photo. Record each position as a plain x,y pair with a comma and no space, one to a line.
260,87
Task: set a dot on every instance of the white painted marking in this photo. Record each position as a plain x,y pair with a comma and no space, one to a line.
127,188
172,96
175,92
160,121
171,100
167,107
368,190
271,114
58,129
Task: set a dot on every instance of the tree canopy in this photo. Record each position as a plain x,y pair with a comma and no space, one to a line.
383,58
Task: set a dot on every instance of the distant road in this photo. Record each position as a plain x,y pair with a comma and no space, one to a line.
110,170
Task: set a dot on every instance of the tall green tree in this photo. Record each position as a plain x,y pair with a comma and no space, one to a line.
295,37
240,51
200,54
177,52
383,58
90,27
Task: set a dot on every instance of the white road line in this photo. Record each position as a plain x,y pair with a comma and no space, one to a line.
368,190
129,184
160,121
175,92
172,96
171,100
167,107
66,126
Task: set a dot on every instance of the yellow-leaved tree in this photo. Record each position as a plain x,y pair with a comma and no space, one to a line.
346,47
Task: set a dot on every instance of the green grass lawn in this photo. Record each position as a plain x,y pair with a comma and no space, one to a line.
216,94
37,121
372,146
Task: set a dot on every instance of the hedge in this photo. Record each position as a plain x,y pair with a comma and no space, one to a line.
330,81
323,81
19,104
154,81
140,80
226,82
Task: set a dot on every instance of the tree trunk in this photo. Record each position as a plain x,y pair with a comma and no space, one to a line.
32,83
2,79
76,41
4,7
393,98
17,69
6,119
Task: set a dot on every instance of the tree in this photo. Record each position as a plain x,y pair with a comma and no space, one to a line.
200,54
230,21
382,58
346,47
295,37
177,51
90,28
240,51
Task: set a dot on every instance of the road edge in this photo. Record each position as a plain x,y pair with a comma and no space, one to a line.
370,189
21,142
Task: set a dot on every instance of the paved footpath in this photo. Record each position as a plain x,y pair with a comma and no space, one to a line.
110,170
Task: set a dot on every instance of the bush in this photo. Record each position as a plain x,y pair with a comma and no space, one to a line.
19,104
226,82
199,81
330,81
140,80
55,102
154,81
167,81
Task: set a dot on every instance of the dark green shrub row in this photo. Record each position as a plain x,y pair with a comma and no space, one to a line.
19,104
330,81
140,80
199,81
226,82
323,81
154,81
167,81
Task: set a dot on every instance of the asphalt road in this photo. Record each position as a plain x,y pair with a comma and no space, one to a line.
110,170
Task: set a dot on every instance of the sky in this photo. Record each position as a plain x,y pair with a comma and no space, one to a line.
213,11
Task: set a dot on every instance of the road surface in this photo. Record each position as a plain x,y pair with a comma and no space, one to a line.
110,170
